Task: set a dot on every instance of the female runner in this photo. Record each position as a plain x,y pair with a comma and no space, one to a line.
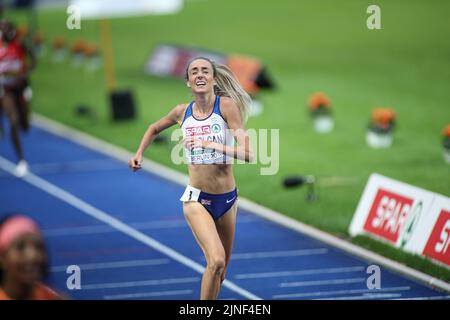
210,124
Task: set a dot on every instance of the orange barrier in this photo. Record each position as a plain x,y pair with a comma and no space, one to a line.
246,71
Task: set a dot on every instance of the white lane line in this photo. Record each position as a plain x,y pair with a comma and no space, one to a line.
114,265
85,230
100,229
298,272
148,294
76,166
336,292
115,223
321,282
142,283
93,165
367,296
176,177
273,254
426,298
341,244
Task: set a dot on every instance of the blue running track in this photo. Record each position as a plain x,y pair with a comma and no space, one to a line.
128,235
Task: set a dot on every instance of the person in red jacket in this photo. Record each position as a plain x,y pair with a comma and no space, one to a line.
23,261
15,90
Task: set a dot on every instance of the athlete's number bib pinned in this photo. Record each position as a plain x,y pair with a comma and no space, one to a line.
190,194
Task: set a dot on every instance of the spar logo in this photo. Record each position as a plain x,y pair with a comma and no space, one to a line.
215,128
438,244
411,223
198,131
388,215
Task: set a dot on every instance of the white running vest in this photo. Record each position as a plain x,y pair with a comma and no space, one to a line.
212,128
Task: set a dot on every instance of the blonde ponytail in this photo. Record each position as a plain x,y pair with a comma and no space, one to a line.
228,86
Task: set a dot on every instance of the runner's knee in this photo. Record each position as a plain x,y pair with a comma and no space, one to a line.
216,264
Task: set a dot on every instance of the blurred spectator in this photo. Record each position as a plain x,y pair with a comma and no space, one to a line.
23,261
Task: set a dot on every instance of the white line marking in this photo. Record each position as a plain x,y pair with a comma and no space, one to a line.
94,165
335,292
426,298
147,294
100,229
115,223
321,282
261,211
76,166
298,272
114,264
273,254
367,296
343,245
142,283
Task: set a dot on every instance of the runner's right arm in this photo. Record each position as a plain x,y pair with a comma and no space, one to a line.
173,117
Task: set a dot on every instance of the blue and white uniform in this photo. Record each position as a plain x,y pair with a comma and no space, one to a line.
212,128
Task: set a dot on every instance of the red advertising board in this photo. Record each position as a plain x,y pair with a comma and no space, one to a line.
388,215
438,244
407,217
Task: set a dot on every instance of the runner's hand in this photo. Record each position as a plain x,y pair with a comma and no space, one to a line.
192,142
135,163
